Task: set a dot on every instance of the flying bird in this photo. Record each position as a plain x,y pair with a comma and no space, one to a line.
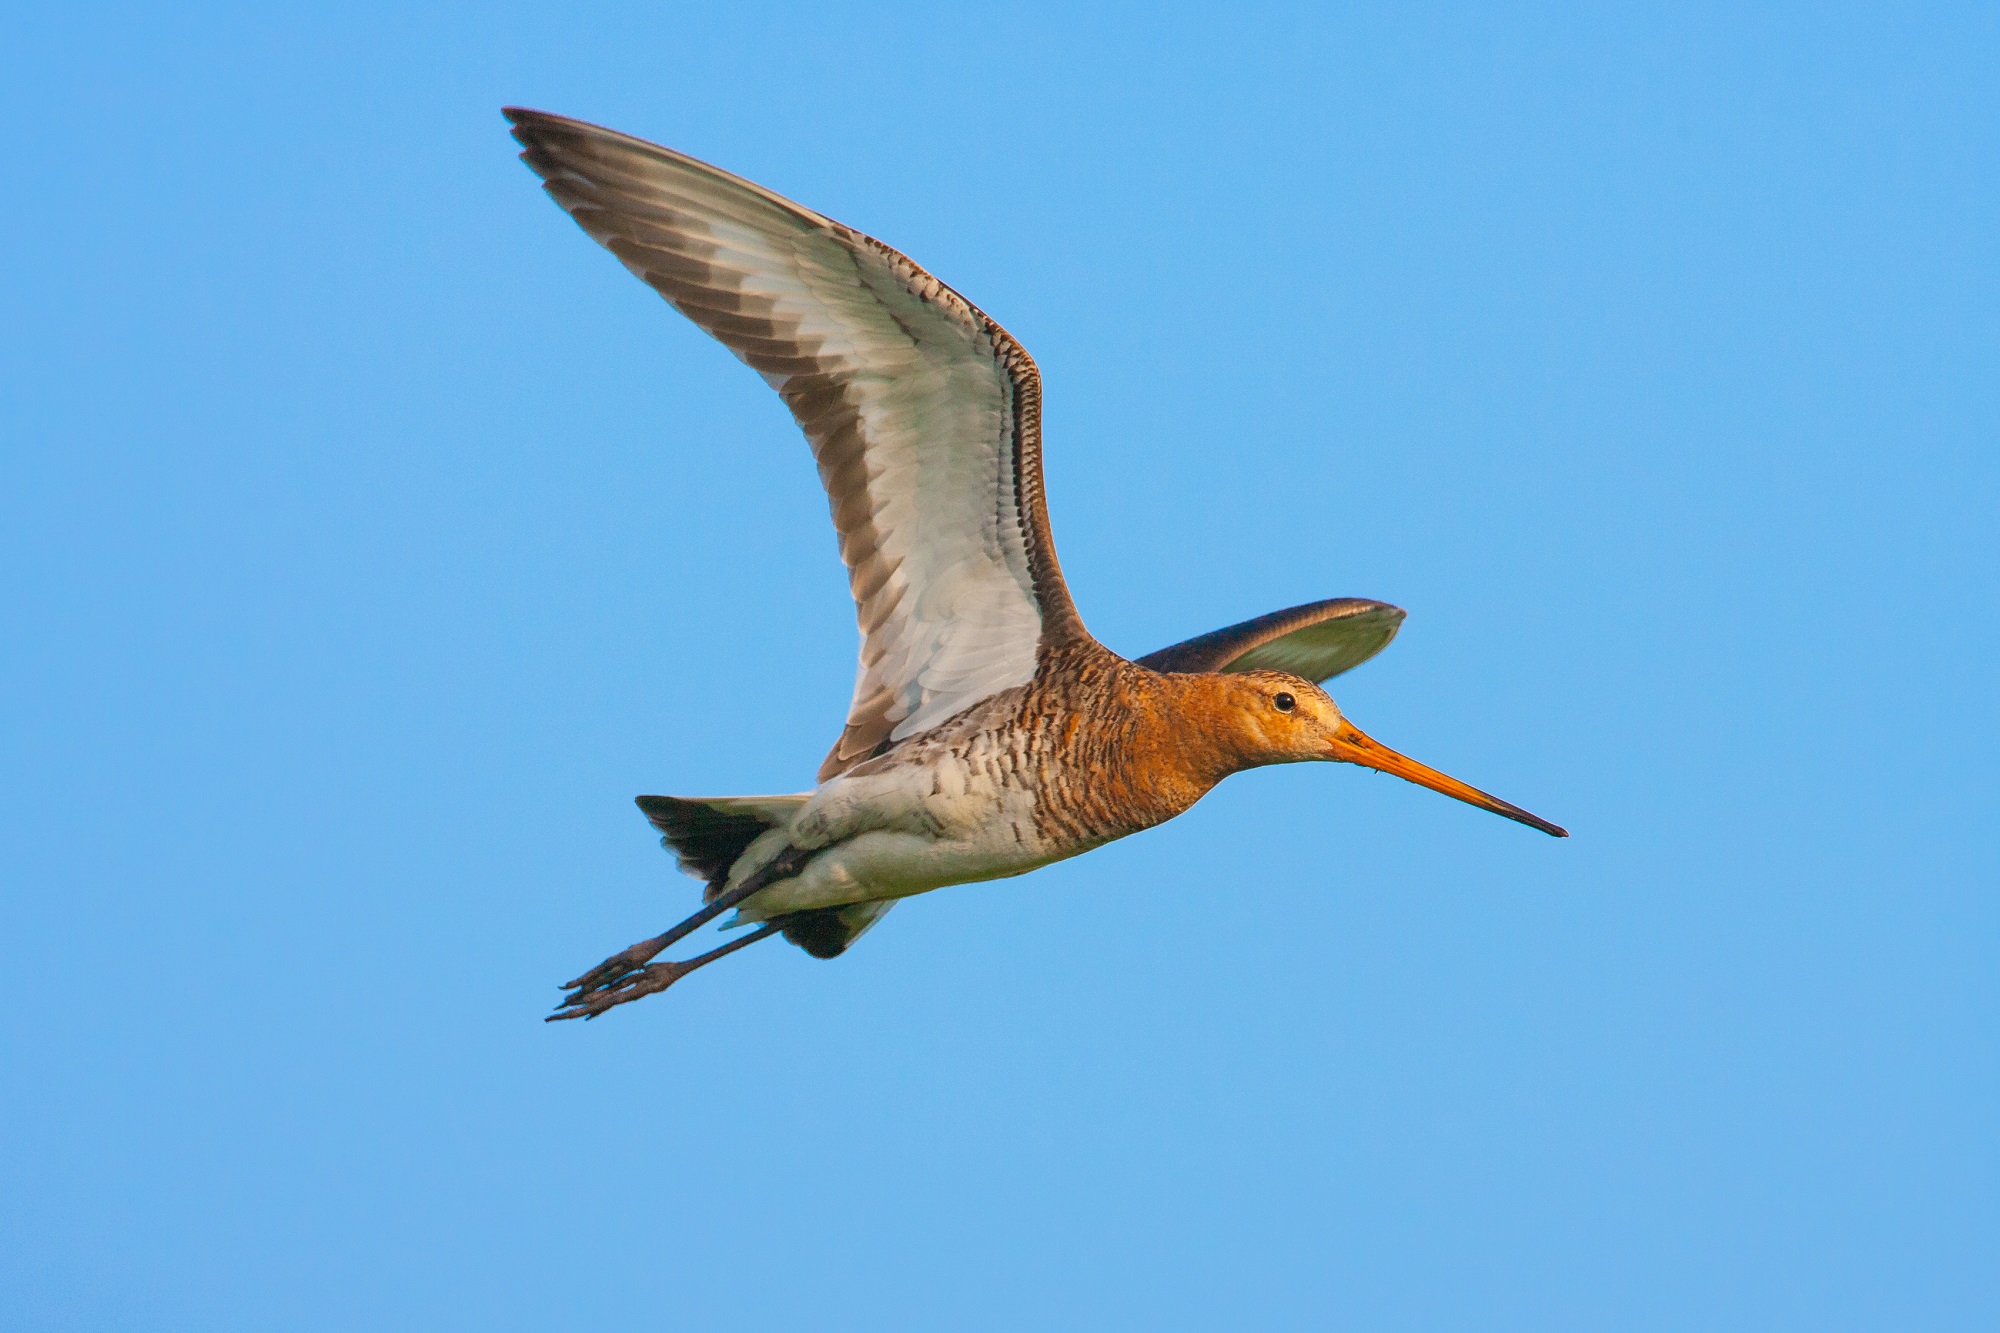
990,734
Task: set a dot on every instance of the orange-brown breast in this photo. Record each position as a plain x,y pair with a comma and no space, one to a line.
1117,748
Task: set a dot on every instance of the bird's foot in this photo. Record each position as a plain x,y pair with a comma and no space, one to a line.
618,966
631,975
591,998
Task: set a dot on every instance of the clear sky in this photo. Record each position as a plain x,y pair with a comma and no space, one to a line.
369,538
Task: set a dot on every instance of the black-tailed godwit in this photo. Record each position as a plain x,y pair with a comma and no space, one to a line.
990,733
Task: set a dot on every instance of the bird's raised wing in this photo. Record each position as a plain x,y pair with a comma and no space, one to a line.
1318,641
924,415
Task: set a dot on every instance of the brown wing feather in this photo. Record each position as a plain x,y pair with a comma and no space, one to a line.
909,394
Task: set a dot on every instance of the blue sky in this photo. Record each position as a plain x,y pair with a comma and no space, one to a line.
368,538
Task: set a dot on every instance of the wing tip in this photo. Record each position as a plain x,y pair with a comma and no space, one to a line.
523,118
519,115
1363,606
525,122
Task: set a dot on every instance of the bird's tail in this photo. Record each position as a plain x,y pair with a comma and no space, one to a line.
708,835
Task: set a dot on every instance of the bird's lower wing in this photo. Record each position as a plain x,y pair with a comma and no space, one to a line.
1317,641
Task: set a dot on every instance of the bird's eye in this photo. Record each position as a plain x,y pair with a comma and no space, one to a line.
1285,702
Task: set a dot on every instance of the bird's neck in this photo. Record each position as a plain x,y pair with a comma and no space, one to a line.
1126,748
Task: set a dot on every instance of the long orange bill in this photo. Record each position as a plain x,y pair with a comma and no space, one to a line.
1351,745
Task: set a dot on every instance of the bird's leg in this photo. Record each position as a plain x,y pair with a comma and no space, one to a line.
652,978
611,974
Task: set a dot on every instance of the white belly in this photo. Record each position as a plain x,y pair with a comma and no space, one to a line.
902,832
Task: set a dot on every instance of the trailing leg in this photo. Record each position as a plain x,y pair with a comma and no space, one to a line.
610,974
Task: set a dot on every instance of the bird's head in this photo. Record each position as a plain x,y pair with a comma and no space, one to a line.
1272,717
